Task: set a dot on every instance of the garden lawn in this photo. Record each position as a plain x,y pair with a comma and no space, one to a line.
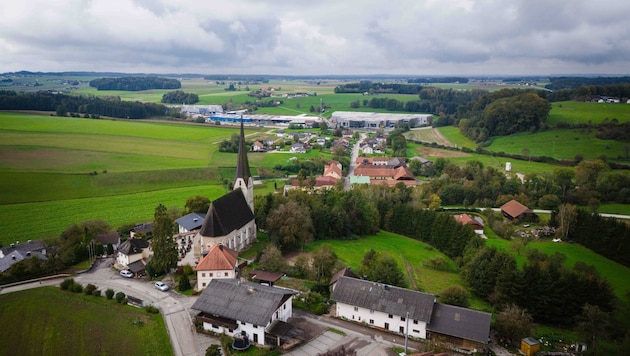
49,321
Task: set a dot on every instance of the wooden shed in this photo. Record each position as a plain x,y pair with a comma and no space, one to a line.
529,346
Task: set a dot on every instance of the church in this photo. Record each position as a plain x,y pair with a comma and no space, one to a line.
230,219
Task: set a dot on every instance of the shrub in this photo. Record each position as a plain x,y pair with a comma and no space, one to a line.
67,284
151,309
89,289
77,288
124,301
96,293
184,283
213,350
188,270
120,296
109,293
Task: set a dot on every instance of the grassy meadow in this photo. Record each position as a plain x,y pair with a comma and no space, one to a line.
573,112
40,324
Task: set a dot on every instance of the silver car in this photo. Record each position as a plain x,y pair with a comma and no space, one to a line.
161,286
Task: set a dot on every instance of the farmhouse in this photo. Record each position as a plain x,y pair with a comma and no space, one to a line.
233,306
514,210
220,262
109,238
230,218
476,223
383,306
411,313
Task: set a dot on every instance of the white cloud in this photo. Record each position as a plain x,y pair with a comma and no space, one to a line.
317,37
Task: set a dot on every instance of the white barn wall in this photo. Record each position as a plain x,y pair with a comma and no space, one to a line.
417,328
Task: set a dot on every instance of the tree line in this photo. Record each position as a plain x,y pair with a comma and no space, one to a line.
135,83
87,106
366,86
560,83
180,97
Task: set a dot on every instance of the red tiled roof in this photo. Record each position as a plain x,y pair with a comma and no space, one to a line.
466,219
219,258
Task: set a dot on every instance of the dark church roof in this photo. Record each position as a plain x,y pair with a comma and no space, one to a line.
242,166
226,214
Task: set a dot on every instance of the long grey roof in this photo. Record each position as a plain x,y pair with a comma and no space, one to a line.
460,322
384,298
226,214
241,301
191,221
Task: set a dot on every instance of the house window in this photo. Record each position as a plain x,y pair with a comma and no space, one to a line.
416,331
457,316
230,330
210,274
401,329
204,284
215,326
284,306
402,318
203,274
390,316
242,323
371,321
415,322
386,326
255,326
226,274
356,308
256,338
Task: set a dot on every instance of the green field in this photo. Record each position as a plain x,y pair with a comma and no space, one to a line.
38,322
574,112
614,272
409,253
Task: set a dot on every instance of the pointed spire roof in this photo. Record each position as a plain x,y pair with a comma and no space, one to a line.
242,166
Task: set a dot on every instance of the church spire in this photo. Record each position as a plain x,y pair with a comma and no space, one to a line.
242,166
243,179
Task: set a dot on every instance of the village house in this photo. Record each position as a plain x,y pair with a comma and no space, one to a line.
109,238
133,251
233,306
411,313
220,262
258,147
333,173
476,223
17,252
298,147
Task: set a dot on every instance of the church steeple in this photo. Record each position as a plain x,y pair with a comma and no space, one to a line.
243,177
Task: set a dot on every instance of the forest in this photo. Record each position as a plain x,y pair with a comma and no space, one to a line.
135,83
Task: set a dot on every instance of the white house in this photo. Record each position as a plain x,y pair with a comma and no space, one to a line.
298,147
220,262
190,222
233,306
132,250
383,306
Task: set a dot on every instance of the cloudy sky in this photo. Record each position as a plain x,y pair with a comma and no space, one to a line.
317,37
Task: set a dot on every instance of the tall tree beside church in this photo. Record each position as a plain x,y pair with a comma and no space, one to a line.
164,252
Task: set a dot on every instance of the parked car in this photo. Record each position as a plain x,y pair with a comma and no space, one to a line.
126,273
161,286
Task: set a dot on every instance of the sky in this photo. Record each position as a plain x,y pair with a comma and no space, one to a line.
318,37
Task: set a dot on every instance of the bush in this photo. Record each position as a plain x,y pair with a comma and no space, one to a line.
184,283
120,296
77,288
151,309
96,293
89,289
213,350
109,293
124,301
67,284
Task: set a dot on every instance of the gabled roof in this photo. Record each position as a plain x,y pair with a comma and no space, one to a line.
403,173
266,276
144,227
219,258
226,214
22,251
345,272
111,237
333,169
460,322
466,219
515,209
133,246
384,298
191,221
137,266
31,245
242,301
